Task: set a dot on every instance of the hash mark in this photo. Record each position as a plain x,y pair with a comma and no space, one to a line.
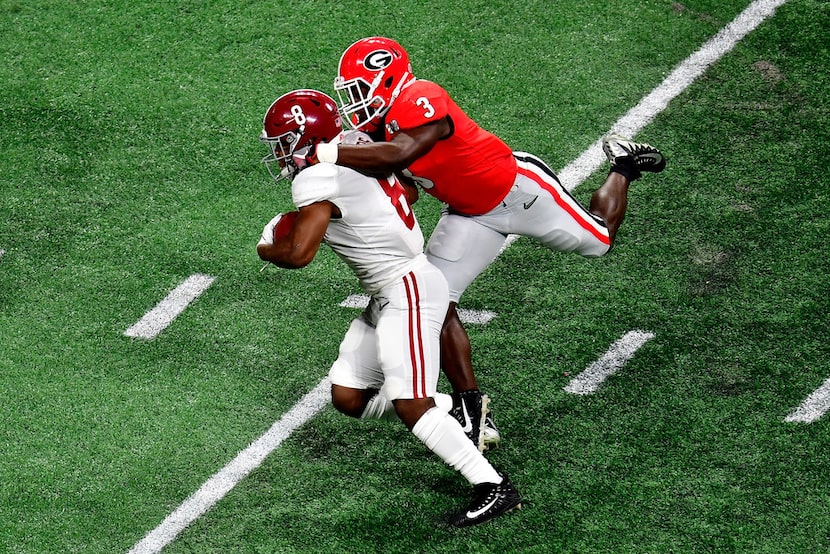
813,407
157,319
609,363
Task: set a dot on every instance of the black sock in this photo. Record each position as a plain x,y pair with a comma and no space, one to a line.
627,170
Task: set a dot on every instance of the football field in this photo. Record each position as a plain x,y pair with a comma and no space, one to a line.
162,391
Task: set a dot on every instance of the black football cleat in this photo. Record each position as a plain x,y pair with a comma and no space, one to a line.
471,410
490,500
634,155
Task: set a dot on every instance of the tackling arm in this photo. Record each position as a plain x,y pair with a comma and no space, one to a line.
395,155
301,244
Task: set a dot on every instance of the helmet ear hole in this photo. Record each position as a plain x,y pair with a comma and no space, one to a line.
388,82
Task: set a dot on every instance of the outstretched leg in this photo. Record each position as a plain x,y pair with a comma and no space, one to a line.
610,202
493,493
628,159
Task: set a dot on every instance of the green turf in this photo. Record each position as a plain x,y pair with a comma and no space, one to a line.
131,161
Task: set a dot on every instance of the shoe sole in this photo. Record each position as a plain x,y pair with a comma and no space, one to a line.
485,409
517,506
491,442
651,167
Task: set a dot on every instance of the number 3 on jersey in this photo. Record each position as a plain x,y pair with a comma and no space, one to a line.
396,193
429,111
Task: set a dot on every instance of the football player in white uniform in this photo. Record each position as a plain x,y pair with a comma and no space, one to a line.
389,359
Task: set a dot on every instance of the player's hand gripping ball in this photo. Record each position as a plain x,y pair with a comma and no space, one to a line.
279,226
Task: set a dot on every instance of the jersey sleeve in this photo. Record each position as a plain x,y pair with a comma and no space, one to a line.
315,184
420,103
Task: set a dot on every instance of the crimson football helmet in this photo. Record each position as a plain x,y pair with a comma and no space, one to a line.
370,75
296,121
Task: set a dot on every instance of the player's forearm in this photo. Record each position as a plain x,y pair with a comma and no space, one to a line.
379,157
285,254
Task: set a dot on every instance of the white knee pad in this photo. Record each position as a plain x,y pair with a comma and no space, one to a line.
356,366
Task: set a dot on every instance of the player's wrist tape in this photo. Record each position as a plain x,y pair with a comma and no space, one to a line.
327,152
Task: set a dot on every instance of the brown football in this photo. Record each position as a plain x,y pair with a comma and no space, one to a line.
285,224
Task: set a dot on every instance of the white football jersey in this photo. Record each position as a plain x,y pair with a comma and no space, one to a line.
377,235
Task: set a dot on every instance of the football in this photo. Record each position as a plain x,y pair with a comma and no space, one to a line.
285,224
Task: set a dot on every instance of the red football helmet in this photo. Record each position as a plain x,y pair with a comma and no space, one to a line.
371,74
296,120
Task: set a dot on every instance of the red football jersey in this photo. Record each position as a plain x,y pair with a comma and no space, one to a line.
472,170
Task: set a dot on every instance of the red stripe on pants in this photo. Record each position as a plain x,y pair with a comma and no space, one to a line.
577,215
416,340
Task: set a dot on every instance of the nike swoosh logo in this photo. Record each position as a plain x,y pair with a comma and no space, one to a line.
527,205
469,423
473,515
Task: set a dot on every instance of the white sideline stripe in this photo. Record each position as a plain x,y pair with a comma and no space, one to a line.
750,18
682,76
609,363
477,317
157,319
229,476
815,406
575,173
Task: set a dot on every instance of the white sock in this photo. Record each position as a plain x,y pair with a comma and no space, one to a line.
443,401
443,435
379,407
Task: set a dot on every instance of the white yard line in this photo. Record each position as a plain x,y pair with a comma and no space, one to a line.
157,319
684,75
815,406
609,363
571,176
227,478
475,317
575,173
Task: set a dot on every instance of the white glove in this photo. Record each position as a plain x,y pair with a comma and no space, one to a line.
268,230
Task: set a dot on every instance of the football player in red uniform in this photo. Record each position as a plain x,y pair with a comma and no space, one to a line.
490,191
388,363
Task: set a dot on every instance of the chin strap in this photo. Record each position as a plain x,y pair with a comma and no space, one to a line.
406,79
